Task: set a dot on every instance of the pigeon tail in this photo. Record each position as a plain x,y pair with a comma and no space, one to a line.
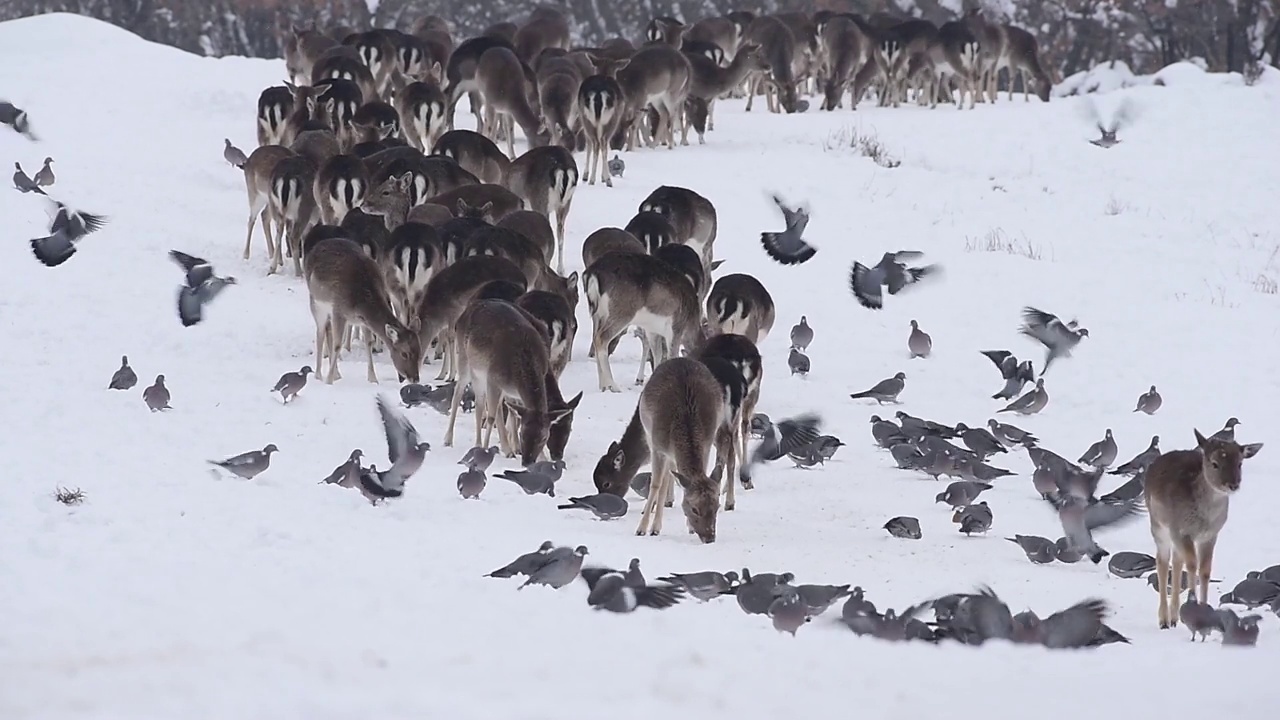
1096,556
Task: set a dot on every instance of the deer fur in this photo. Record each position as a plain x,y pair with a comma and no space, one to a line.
710,80
414,250
743,355
301,50
275,105
460,73
717,30
431,214
665,30
607,240
740,304
293,202
432,175
304,114
501,81
422,107
558,82
535,227
658,75
377,50
545,178
652,229
258,170
779,46
954,53
546,28
602,109
340,186
555,311
524,254
375,120
692,216
342,100
344,63
909,43
849,58
1024,57
493,201
476,154
1188,494
447,295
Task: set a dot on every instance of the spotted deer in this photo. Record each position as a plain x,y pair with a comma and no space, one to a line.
652,229
342,99
658,75
602,109
1023,54
501,80
718,30
377,49
1188,494
475,153
907,46
275,104
545,178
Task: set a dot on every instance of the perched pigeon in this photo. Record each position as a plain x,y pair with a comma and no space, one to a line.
1011,435
471,483
157,396
905,527
16,119
557,568
68,228
1141,461
478,458
45,177
232,154
1149,402
973,518
1102,453
611,591
248,465
961,493
291,383
125,377
885,432
801,334
919,344
885,390
1131,564
1031,403
704,585
783,438
616,166
788,613
788,247
866,282
404,448
605,506
539,477
798,362
1228,431
641,482
1065,553
978,471
347,474
1200,618
23,183
1239,631
1039,550
980,441
1080,518
524,564
201,287
1058,338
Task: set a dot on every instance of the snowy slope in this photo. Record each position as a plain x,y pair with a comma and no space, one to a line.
171,594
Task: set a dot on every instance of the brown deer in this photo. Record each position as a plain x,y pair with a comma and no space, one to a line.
741,305
501,80
954,54
301,50
602,109
779,46
558,82
850,59
1188,494
547,27
710,81
476,154
257,182
536,227
422,108
545,178
744,358
556,313
692,216
658,75
665,30
1024,57
413,254
447,295
275,104
293,203
607,240
340,186
493,202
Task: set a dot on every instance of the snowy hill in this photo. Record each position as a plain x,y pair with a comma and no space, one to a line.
171,594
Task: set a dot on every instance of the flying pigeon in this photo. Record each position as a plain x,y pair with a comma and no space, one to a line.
45,177
919,344
404,448
16,119
524,564
23,183
801,334
798,362
471,483
157,396
1228,431
291,383
68,228
961,493
539,477
347,474
1102,453
478,458
1058,338
1121,117
1080,518
557,568
1149,402
704,585
865,282
233,155
616,166
125,377
248,465
885,390
1016,374
605,506
1031,403
620,592
201,287
1039,550
788,247
905,527
782,439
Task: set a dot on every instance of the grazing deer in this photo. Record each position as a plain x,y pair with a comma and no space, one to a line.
734,388
602,109
546,28
545,177
779,46
1188,494
493,202
301,50
907,44
258,171
993,53
501,80
658,75
692,216
710,80
717,30
344,63
346,287
275,105
422,108
954,54
666,30
340,186
849,55
652,229
558,99
475,153
742,354
521,251
607,240
556,313
447,295
293,203
1024,58
536,228
686,260
740,304
460,73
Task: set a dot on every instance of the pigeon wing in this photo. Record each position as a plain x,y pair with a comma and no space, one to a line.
1076,626
787,247
605,586
1101,515
592,575
83,223
998,357
659,597
54,249
401,435
189,306
797,432
865,283
198,269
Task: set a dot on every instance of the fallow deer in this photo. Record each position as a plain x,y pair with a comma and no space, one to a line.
740,304
559,81
779,47
303,114
534,226
521,251
849,55
415,56
666,30
652,229
692,216
501,81
377,48
689,263
301,50
293,203
1024,58
316,145
545,178
346,286
955,54
475,153
602,109
710,81
342,99
275,104
562,327
718,30
447,295
992,53
658,75
344,63
257,182
432,174
423,109
431,214
742,354
340,186
607,240
460,72
415,253
1188,494
907,44
495,201
546,27
376,120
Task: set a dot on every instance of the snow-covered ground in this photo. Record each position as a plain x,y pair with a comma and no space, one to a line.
171,594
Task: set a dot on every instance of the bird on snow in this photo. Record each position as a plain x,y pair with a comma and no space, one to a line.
157,396
1236,630
819,598
479,458
248,465
980,441
1011,435
961,493
45,177
524,564
885,432
291,383
1058,338
865,282
884,391
1149,402
125,377
1039,550
347,474
22,182
1107,138
67,228
801,334
757,592
1141,461
557,568
1228,431
807,456
605,506
826,446
641,482
1251,592
1065,553
1031,403
232,154
620,592
1016,374
616,166
798,362
973,518
782,439
704,585
919,344
1102,453
1080,518
17,119
788,613
760,424
539,477
978,471
405,450
788,247
471,483
905,527
201,287
1130,564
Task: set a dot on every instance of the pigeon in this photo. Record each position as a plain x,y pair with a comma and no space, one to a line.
825,446
1058,338
1102,453
973,518
788,613
1154,581
233,155
1200,618
1065,553
605,506
248,465
616,166
1011,435
347,474
807,456
980,441
157,396
291,383
1031,403
885,432
404,448
961,493
1228,431
918,428
974,618
539,477
819,598
1108,130
798,362
937,462
1013,384
1238,631
16,119
704,585
201,287
524,564
865,282
1131,564
788,247
23,183
1039,550
68,228
1131,489
1271,574
884,391
756,593
1149,402
857,604
801,334
905,527
45,177
1141,461
1075,627
919,344
1080,518
978,471
1251,592
760,425
471,483
125,377
641,482
907,456
557,568
783,438
478,458
611,591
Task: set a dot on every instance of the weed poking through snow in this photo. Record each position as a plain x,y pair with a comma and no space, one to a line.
69,497
866,144
997,240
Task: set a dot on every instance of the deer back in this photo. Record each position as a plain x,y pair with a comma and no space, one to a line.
431,213
558,99
1024,52
343,62
451,288
302,48
368,231
717,30
275,105
691,215
493,202
710,80
556,314
626,285
549,30
607,240
476,154
260,166
536,227
740,352
740,304
341,185
652,229
500,77
545,178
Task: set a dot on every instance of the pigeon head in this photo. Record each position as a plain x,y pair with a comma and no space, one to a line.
940,497
634,564
900,376
17,166
306,370
732,578
124,359
356,455
961,427
48,161
270,449
159,379
915,325
580,551
876,419
785,578
545,546
1232,423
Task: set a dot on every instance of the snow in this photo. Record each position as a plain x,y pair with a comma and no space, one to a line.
169,593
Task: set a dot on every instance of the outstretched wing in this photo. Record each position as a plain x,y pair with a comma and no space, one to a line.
787,247
198,269
593,575
797,432
401,436
865,284
1100,514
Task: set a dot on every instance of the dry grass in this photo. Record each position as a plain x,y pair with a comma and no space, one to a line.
997,240
69,497
866,144
1115,206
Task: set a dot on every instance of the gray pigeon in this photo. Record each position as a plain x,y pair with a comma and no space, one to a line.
1271,574
1039,550
404,448
1239,631
1131,564
1065,553
478,458
760,425
1011,435
202,287
973,518
248,465
1200,618
801,334
157,396
885,390
1153,581
1228,431
782,439
915,427
539,477
611,591
641,482
819,598
978,471
807,456
524,564
616,166
788,247
907,456
798,362
1031,403
857,604
1075,627
291,383
704,585
68,228
471,483
825,446
1080,518
1015,374
125,377
1141,461
865,282
961,493
788,613
347,474
1102,453
756,593
1149,402
885,432
233,154
45,177
974,618
919,344
17,119
937,462
22,182
980,441
605,506
1058,338
557,568
1251,592
905,527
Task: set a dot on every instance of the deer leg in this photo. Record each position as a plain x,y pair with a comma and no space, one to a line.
322,331
655,491
602,331
711,114
751,91
454,403
1163,556
254,211
373,376
644,357
562,214
446,354
1204,558
492,407
1184,554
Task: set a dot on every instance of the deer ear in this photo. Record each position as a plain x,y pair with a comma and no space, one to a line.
436,72
572,280
1247,451
392,334
1200,441
681,478
485,208
573,404
463,206
716,264
404,181
717,474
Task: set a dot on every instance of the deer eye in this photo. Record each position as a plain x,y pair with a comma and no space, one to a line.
1215,464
